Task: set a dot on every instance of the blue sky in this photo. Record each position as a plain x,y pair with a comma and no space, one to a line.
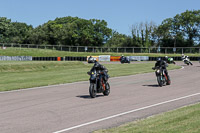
119,14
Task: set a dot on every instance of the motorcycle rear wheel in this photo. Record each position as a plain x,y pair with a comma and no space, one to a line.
168,81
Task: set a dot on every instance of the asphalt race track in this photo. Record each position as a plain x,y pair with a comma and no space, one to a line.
69,108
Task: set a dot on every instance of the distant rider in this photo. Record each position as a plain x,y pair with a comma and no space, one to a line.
122,58
102,70
163,64
169,60
184,57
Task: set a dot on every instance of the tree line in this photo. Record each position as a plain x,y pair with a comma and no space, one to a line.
183,30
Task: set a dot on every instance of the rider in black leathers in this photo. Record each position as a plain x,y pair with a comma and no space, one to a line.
101,69
122,57
163,64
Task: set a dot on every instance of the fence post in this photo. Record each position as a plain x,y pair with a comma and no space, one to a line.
182,50
149,50
77,49
133,50
117,49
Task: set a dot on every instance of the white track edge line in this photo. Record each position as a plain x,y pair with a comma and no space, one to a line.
124,113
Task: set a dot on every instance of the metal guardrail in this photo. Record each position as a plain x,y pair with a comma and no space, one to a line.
166,50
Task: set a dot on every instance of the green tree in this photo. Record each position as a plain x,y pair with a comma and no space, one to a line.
181,30
143,34
72,31
4,29
20,32
119,40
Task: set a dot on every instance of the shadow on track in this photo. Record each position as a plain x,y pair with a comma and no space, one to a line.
88,96
152,85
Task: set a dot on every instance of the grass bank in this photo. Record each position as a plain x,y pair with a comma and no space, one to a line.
55,53
183,120
26,74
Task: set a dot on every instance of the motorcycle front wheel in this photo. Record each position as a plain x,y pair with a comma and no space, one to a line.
160,82
107,90
92,90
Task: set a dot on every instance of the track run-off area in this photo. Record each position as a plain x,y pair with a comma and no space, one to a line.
69,108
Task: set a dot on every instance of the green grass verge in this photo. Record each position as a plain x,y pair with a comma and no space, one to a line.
55,53
183,120
27,74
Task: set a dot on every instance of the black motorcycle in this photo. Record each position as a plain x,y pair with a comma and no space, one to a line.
124,60
98,84
161,76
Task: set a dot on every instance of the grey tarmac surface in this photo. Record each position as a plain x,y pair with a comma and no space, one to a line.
69,108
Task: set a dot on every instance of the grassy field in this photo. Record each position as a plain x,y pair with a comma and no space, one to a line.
183,120
55,53
27,74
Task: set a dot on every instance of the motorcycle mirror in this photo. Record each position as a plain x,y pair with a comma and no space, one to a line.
89,73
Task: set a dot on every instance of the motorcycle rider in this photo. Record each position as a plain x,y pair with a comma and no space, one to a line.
163,64
185,58
100,69
122,57
169,60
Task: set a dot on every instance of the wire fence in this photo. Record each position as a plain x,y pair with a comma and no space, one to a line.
165,50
